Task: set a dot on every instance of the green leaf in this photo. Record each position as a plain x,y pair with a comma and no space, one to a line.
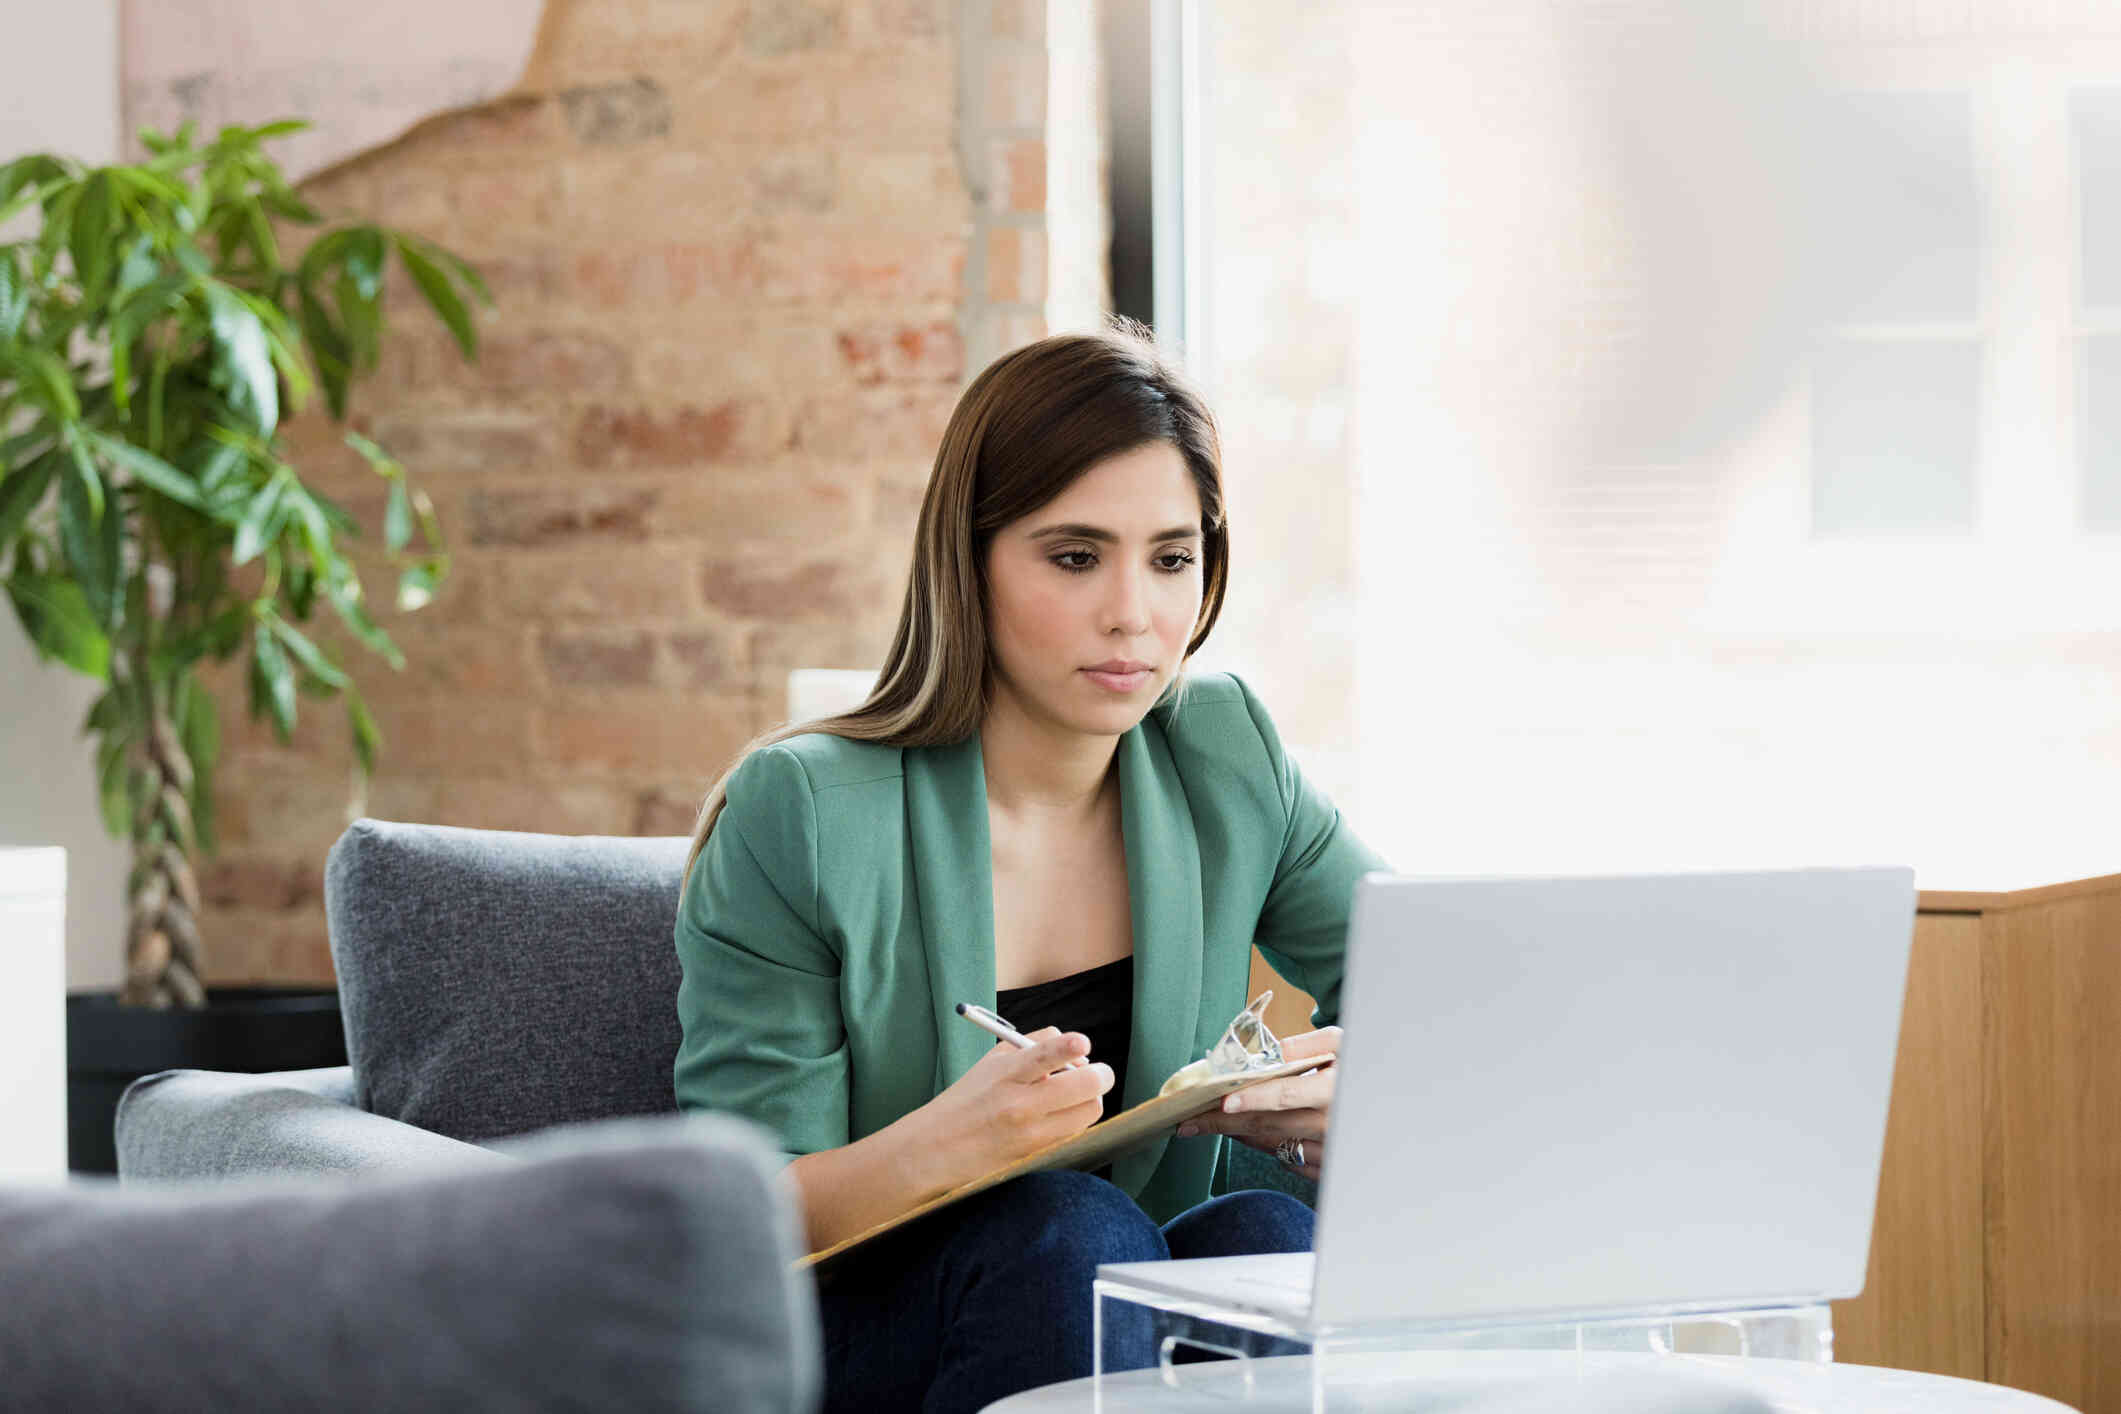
307,653
328,348
246,357
82,535
48,382
273,681
366,739
113,781
108,711
14,295
343,589
256,532
374,455
416,586
89,238
84,469
365,252
280,128
362,318
442,295
55,615
198,728
20,492
150,469
397,516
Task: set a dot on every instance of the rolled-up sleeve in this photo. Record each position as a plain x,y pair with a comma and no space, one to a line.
758,999
1303,924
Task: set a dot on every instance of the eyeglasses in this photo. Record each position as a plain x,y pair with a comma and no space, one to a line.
1246,1043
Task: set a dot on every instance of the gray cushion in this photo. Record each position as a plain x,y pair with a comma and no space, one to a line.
495,982
638,1265
190,1124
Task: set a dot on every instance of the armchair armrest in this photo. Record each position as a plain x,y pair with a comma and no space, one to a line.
184,1124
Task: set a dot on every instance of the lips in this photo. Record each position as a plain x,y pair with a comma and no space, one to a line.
1134,676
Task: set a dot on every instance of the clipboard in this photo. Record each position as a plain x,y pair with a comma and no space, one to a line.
1246,1043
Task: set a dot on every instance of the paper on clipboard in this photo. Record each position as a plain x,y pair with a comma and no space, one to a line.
1107,1139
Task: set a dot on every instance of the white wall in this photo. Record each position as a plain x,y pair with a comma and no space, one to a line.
61,95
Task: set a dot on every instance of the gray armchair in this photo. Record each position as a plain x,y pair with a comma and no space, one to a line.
493,984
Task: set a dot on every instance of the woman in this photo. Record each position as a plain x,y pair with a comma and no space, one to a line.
1033,811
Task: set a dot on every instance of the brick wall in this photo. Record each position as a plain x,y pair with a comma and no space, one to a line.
744,259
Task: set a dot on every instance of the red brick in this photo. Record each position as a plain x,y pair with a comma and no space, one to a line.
518,121
251,881
567,515
1023,20
1016,265
609,436
556,806
921,188
644,583
901,94
799,182
748,101
609,114
778,649
663,811
546,361
644,733
732,506
703,660
1015,87
1017,174
453,443
910,19
886,421
523,196
597,658
779,27
819,589
916,351
864,265
440,737
270,802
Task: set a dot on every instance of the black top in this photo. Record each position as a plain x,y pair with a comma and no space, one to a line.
1099,1003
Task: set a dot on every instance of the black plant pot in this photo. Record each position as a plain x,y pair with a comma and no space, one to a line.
252,1029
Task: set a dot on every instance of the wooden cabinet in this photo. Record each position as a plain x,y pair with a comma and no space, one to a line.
1996,1252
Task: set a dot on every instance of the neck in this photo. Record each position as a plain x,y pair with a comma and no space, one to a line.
1035,767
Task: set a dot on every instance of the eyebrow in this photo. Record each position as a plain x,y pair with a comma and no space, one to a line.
1078,531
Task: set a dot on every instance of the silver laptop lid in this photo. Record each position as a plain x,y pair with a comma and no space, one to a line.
1581,1095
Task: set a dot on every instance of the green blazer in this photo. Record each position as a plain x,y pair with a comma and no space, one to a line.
843,906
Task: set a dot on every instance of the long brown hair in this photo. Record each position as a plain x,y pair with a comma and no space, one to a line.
1037,418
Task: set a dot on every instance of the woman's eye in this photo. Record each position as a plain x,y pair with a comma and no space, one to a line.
1174,562
1074,560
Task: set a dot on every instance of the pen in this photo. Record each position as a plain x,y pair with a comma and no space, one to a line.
987,1021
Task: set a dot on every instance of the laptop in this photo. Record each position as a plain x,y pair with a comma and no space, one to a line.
1578,1097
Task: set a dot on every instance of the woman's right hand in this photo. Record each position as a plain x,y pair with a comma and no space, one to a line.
1014,1101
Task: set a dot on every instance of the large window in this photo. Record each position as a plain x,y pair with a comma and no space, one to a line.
1658,442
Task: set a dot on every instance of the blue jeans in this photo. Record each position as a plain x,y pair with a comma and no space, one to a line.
992,1295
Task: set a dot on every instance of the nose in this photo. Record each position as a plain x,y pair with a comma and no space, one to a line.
1127,608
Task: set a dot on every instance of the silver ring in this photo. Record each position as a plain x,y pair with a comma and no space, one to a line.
1290,1152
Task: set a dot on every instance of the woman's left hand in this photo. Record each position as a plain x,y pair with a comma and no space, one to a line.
1293,1107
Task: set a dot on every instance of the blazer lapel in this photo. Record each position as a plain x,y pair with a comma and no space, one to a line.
946,822
1163,887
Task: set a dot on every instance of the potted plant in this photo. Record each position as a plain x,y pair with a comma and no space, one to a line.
152,337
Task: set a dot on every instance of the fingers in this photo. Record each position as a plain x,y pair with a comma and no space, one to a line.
1056,1049
1067,1088
1296,1092
1263,1128
1323,1042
